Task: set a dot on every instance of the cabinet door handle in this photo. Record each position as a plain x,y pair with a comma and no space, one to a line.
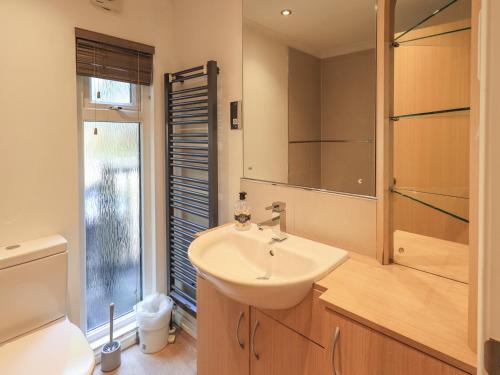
334,346
241,343
256,354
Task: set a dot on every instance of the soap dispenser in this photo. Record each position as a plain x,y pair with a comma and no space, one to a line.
242,213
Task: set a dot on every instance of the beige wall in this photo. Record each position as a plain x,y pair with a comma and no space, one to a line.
304,119
212,30
348,167
339,220
348,94
304,96
39,142
265,77
304,164
348,114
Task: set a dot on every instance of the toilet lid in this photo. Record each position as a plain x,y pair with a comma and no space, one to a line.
58,349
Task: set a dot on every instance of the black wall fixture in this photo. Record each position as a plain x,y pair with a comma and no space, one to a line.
191,171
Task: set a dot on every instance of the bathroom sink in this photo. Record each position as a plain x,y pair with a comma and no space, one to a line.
251,268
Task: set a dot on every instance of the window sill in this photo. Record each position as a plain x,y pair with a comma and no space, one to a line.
125,331
127,336
118,334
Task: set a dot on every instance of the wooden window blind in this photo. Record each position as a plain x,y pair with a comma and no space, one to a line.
103,56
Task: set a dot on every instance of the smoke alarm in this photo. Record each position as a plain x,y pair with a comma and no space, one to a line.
109,5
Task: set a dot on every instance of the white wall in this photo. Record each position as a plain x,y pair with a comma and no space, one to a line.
39,157
211,30
265,89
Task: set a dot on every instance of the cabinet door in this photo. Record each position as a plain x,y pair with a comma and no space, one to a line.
277,350
223,333
363,351
306,318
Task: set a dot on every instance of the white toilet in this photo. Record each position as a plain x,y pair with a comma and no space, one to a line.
35,335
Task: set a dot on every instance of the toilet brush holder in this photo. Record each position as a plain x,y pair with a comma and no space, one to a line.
111,351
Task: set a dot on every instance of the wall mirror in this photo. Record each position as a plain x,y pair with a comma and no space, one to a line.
309,93
430,196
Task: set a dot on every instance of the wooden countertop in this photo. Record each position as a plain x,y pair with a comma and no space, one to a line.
419,309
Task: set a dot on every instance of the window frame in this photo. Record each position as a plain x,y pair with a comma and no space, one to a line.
132,89
139,112
90,105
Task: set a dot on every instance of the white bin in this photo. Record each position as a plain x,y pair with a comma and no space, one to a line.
153,319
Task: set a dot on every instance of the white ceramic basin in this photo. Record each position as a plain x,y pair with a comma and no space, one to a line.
242,265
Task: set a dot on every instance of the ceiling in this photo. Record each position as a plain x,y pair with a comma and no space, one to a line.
326,28
319,27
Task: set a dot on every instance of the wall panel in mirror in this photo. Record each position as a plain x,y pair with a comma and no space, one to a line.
309,93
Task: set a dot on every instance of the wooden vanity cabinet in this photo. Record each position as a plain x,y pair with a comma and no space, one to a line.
279,350
307,318
223,333
298,341
360,350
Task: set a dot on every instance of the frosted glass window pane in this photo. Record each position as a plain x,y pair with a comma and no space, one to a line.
111,92
112,218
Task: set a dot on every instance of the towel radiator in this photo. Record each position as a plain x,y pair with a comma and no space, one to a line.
191,171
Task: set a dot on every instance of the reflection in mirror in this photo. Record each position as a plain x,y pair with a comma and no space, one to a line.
309,93
430,199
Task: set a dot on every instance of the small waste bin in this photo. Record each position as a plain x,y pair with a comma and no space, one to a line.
153,320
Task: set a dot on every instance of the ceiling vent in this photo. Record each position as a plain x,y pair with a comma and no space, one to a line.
109,5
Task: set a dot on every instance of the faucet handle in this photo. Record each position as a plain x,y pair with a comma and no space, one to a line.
277,206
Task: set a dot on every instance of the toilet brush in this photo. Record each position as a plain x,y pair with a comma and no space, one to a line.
111,351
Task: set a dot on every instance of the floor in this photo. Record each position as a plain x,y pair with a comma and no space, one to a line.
176,359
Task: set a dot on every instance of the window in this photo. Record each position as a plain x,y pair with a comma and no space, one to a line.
112,218
117,143
111,92
113,201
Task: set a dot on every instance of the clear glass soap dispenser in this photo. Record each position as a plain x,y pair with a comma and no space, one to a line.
242,213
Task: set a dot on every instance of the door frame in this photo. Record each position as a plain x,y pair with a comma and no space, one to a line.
489,178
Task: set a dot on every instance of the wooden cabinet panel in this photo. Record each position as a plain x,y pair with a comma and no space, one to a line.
363,351
281,351
218,350
306,318
433,73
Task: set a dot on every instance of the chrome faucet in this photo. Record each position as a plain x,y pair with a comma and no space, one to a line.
278,219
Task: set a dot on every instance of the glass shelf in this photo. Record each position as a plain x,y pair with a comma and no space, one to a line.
452,202
447,192
451,13
431,113
423,37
